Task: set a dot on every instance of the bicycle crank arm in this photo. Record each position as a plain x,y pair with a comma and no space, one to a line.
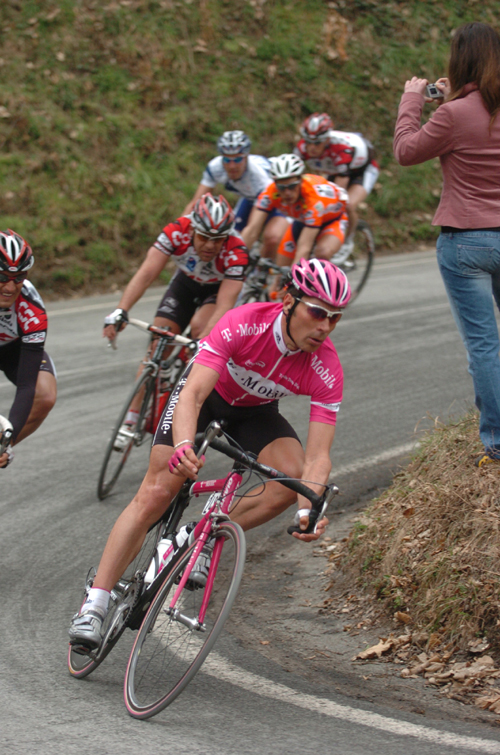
176,615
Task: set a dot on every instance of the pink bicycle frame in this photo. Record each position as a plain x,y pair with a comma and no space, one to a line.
227,487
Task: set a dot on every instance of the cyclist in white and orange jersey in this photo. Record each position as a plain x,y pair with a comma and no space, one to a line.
246,175
254,356
345,157
319,208
23,331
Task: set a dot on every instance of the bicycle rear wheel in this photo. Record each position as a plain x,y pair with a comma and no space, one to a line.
167,652
123,599
358,264
114,458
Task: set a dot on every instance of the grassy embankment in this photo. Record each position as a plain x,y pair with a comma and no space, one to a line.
108,112
427,553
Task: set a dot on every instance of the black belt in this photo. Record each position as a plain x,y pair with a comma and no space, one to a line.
450,229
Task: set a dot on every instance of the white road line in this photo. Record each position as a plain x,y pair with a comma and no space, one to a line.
390,453
222,669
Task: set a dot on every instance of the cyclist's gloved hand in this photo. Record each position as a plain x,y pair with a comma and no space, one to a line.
6,457
118,318
184,461
306,527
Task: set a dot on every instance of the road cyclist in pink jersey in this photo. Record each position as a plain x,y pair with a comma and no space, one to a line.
255,355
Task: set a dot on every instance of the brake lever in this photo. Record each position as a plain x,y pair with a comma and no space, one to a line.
316,516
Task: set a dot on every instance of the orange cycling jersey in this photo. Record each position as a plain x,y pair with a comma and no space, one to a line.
320,201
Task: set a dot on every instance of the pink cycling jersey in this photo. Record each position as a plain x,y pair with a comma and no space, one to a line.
246,347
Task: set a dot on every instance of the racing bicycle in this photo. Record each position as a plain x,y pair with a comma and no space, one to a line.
156,382
178,621
354,257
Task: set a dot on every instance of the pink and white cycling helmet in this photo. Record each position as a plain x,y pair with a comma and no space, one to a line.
323,280
15,253
316,127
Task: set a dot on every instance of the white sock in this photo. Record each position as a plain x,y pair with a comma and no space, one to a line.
131,418
97,600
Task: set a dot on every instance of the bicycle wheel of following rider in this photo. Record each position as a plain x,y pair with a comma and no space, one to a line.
123,598
358,264
115,459
167,653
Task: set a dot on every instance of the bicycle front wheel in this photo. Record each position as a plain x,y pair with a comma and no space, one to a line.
169,650
358,264
116,455
123,598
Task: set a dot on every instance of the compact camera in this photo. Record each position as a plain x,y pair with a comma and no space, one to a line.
434,92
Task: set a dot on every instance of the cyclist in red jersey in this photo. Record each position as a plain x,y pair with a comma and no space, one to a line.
254,355
319,208
23,330
211,261
341,156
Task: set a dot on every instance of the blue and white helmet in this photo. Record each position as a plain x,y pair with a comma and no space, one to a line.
234,143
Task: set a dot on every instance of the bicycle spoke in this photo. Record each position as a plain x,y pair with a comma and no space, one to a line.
167,653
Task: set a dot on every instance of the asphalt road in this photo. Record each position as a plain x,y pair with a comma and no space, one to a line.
404,367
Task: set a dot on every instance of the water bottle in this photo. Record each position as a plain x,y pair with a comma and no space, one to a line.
166,549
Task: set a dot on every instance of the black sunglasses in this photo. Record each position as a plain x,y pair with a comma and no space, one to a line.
284,187
4,278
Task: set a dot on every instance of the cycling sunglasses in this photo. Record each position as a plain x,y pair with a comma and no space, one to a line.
4,278
284,187
321,313
233,159
207,236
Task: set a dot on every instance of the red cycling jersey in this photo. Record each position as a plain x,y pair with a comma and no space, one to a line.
320,202
176,240
345,153
26,318
247,348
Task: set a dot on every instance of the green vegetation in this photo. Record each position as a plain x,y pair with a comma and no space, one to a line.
109,111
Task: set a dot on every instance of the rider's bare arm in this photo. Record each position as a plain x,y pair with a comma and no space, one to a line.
200,191
148,272
305,243
317,466
199,385
226,299
254,227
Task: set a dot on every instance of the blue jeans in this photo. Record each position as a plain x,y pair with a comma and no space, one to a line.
470,266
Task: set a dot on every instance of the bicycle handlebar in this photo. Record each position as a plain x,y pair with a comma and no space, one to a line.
319,503
162,332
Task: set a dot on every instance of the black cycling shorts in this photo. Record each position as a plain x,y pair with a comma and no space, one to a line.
182,298
252,427
9,361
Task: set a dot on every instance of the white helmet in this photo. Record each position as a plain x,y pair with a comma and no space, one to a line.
234,143
286,166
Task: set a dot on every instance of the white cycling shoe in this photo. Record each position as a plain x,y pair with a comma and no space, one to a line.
85,631
125,435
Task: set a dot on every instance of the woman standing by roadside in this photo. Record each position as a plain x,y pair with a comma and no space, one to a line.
464,133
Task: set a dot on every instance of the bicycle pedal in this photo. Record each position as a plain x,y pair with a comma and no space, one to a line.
82,650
